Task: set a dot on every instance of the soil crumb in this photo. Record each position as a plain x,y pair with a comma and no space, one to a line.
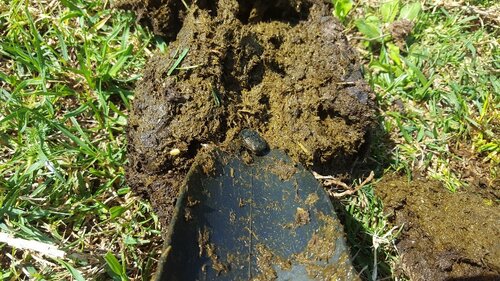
283,170
164,17
400,30
266,261
302,217
280,68
311,199
446,236
207,163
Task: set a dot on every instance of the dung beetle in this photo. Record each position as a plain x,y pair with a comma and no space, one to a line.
254,142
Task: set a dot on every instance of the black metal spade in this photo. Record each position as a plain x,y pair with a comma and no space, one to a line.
265,220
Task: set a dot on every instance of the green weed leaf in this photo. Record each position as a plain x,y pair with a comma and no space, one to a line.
342,8
394,54
116,211
73,7
416,71
74,272
389,10
116,268
369,29
410,11
123,191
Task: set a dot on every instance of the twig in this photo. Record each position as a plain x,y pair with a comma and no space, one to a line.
30,245
346,83
329,181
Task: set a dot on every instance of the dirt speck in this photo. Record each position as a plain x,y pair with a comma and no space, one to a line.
203,237
446,235
192,202
207,163
283,170
311,199
187,214
247,157
302,217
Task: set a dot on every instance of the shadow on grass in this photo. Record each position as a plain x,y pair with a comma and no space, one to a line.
361,247
374,156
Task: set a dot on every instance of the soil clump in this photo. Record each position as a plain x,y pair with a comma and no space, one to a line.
445,236
285,70
281,68
164,17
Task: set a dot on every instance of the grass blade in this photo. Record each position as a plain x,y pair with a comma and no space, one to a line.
178,61
75,273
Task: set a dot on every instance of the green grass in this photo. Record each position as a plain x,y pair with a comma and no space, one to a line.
67,72
438,94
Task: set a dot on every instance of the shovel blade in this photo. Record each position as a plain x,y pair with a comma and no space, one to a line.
266,220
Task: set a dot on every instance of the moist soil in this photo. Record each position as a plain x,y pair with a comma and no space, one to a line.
283,69
445,235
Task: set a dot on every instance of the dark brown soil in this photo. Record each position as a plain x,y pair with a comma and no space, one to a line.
446,236
282,68
400,30
163,16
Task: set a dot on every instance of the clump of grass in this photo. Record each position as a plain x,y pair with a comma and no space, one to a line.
66,73
437,88
434,69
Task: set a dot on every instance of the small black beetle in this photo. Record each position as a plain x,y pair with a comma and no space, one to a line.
254,142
